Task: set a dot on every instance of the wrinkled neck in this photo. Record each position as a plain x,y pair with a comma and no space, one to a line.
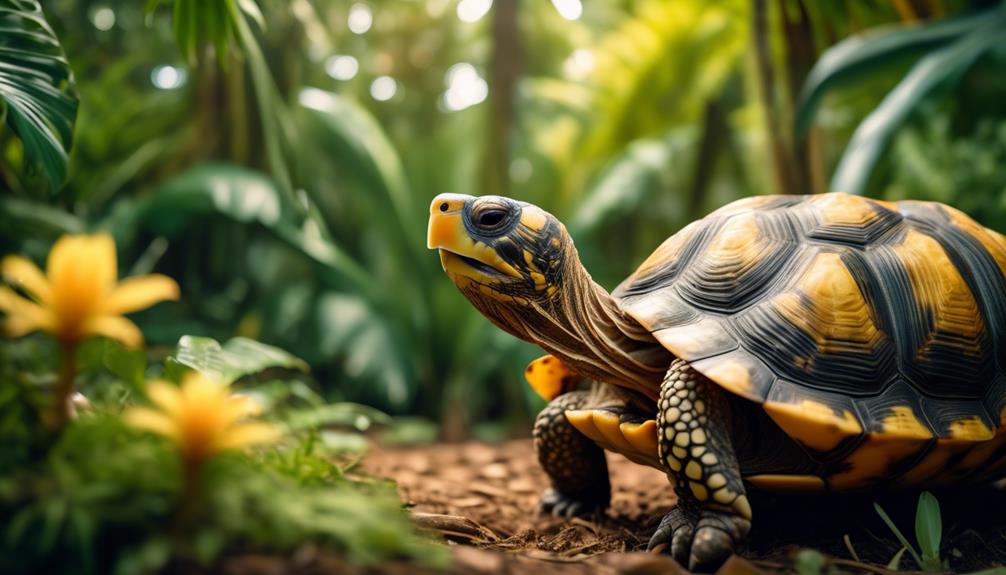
584,327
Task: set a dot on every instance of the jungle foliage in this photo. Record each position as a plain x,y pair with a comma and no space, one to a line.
215,142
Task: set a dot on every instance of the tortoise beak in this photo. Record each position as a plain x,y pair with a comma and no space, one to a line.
445,221
459,253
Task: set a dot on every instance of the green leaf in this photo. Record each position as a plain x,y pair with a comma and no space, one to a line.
249,197
858,56
351,134
929,530
23,219
235,359
126,363
625,185
346,414
942,66
373,354
36,87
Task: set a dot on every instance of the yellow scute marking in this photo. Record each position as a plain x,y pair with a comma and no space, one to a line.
939,287
736,248
873,459
743,205
843,209
903,423
730,375
971,429
814,424
787,483
992,241
668,251
838,318
686,341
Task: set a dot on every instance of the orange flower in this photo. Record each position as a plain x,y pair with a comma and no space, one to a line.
79,296
201,417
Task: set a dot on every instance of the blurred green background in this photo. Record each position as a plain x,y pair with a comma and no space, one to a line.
277,157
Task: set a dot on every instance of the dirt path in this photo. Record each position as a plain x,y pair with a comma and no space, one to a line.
484,497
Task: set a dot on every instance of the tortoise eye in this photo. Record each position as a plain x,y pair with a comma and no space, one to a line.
490,218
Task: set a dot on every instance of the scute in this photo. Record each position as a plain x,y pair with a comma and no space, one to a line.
860,325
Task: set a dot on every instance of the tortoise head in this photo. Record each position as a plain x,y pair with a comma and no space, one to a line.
498,248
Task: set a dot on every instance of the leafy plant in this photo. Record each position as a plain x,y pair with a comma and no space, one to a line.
948,50
36,88
928,533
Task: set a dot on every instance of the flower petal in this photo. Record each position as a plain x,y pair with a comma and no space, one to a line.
23,315
166,396
23,271
94,253
139,292
115,327
150,420
247,434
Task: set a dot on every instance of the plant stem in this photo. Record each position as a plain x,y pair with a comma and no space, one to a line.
63,405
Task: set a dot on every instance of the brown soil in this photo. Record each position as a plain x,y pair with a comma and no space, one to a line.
484,498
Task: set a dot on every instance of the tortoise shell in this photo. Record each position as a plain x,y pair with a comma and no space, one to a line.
871,327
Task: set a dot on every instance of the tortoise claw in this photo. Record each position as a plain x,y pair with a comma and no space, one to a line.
559,504
703,546
675,534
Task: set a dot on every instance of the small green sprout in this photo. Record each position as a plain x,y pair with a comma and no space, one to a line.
928,533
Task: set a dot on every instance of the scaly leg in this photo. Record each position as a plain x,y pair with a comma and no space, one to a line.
713,513
574,463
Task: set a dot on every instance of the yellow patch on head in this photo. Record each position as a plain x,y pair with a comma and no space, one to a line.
814,424
533,217
838,318
549,377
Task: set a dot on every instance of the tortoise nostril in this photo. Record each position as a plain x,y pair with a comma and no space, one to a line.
444,207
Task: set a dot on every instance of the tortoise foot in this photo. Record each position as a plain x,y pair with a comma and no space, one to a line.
702,545
559,504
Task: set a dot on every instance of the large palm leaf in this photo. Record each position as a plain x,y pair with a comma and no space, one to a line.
36,87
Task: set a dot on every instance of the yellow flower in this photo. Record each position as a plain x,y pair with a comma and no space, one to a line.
201,417
79,296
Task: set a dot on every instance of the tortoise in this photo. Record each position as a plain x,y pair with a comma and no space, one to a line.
791,343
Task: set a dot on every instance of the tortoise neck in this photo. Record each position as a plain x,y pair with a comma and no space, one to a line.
582,325
588,330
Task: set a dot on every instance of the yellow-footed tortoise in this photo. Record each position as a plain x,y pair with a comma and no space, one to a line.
827,342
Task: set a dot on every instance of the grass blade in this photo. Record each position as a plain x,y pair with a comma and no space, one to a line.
897,533
896,560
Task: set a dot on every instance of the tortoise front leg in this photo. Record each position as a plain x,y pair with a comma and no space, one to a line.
713,513
574,463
